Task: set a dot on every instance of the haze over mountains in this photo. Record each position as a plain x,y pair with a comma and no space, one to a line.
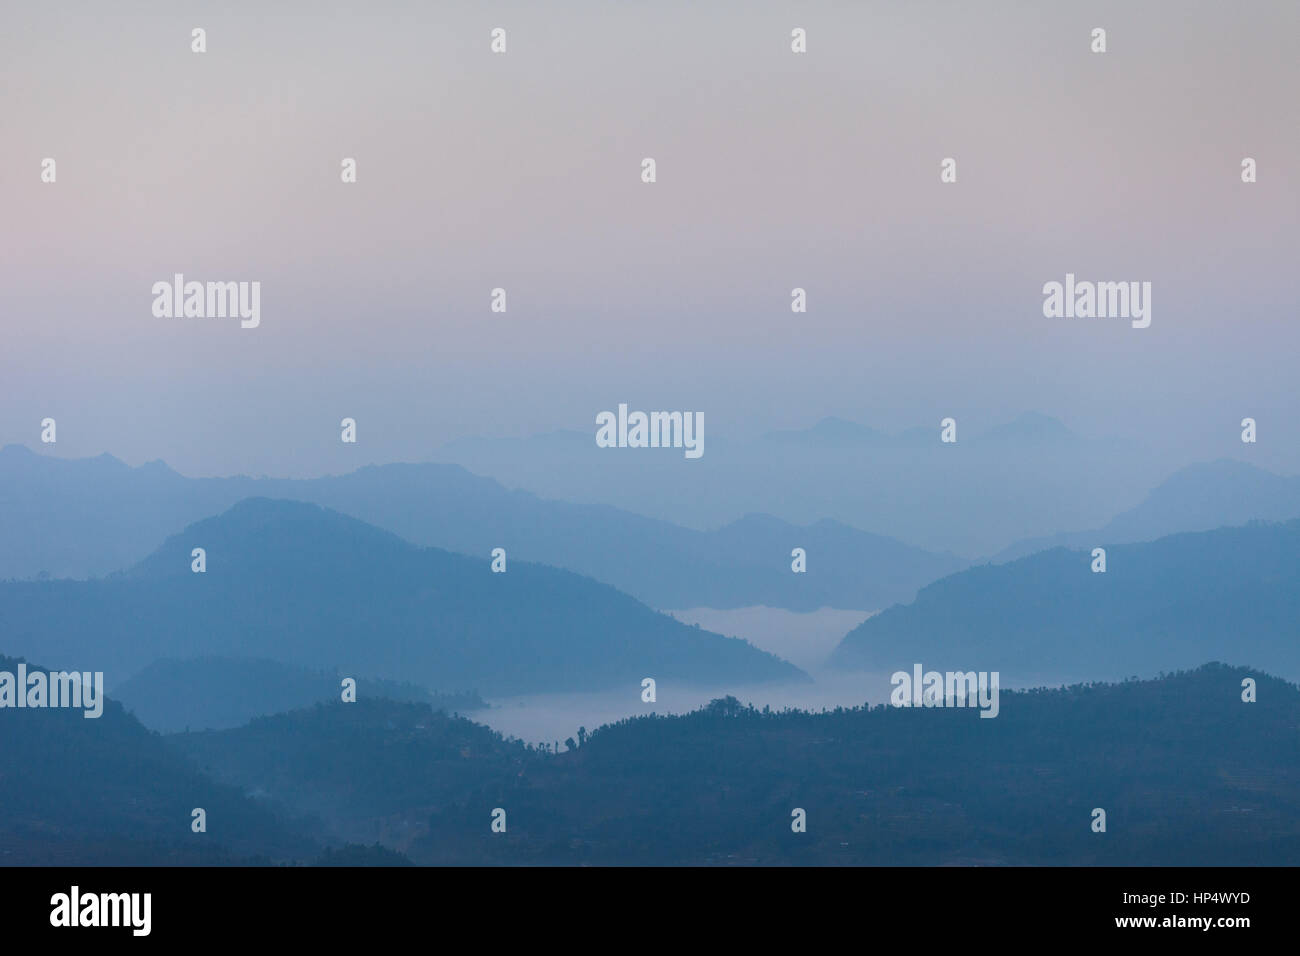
1200,497
89,517
1160,605
313,588
1186,772
341,199
999,483
295,595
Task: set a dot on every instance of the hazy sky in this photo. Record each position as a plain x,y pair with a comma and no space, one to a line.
522,171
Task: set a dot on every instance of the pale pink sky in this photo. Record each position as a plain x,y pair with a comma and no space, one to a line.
522,171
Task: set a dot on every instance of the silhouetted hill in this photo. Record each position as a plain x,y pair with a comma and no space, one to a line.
1030,428
1186,771
749,562
215,693
373,770
1234,592
89,517
998,483
1200,497
354,854
107,791
313,588
830,432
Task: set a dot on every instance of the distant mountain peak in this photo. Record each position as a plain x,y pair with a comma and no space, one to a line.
833,425
258,532
830,430
266,511
1030,426
758,519
158,467
21,454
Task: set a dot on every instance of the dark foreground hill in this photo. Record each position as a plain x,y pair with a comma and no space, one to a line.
1186,772
309,587
372,771
1233,593
106,791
